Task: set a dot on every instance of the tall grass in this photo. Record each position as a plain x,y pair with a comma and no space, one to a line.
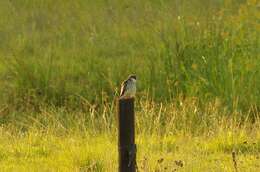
56,52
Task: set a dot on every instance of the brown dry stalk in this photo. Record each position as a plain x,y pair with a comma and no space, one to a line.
234,160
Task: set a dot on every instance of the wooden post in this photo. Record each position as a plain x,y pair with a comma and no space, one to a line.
126,135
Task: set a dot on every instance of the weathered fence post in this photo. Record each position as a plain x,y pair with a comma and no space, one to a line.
126,135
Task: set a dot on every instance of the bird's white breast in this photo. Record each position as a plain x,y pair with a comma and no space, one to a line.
131,88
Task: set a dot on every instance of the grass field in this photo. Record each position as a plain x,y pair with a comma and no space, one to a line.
198,99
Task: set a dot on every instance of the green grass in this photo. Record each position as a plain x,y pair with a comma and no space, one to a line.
52,51
197,64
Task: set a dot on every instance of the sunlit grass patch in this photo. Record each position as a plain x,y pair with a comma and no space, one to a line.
238,140
58,153
87,152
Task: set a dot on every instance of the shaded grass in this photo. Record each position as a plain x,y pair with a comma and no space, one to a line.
53,51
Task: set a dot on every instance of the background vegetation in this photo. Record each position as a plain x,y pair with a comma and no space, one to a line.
197,63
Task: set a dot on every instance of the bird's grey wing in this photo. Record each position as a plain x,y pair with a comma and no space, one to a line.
123,87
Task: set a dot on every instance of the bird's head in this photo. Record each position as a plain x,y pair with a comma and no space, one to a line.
132,77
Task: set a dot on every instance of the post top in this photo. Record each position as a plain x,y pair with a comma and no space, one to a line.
126,100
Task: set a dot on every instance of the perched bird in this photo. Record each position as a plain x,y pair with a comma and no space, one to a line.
128,88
